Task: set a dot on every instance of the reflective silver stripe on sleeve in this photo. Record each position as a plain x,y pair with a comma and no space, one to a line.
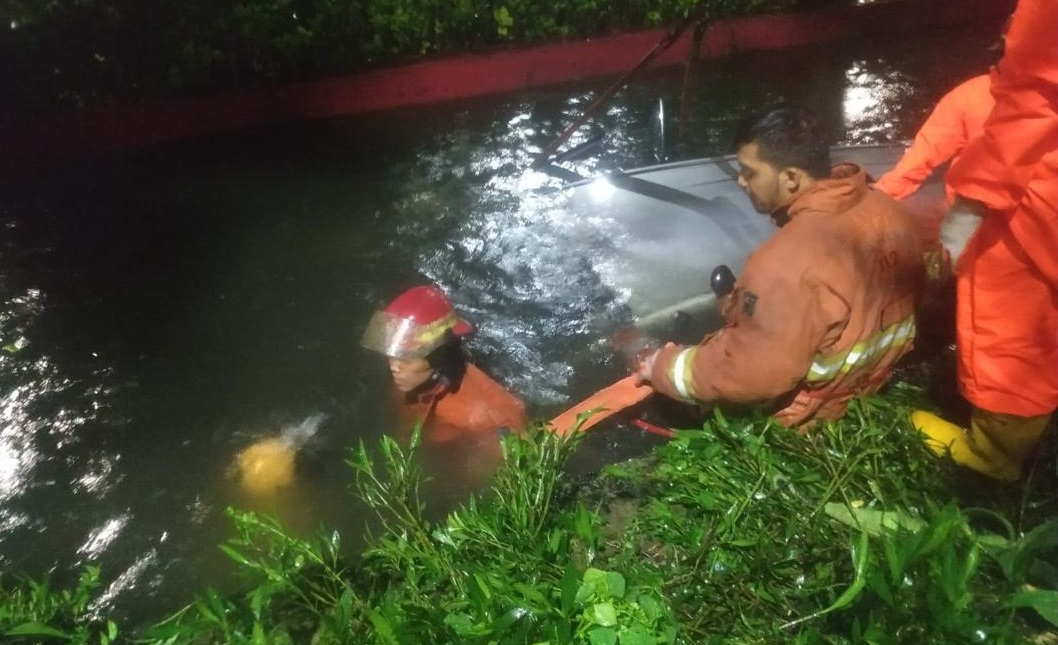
681,373
825,368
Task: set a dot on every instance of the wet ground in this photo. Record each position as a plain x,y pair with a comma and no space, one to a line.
164,308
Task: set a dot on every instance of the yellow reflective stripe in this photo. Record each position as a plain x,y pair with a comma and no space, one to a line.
681,373
825,368
432,332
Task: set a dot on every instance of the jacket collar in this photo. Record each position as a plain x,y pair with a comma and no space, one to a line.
427,393
845,187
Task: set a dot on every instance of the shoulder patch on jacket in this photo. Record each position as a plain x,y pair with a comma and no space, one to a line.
749,303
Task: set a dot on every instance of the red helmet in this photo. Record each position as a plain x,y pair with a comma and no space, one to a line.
417,322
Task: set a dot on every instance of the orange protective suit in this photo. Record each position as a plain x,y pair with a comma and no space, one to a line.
478,407
958,118
820,314
1007,278
461,430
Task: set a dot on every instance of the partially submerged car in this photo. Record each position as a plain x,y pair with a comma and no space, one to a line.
674,223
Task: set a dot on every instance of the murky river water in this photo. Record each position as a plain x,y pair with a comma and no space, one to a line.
162,309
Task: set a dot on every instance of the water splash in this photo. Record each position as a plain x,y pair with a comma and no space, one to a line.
297,435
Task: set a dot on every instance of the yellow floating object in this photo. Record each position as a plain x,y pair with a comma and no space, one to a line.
266,466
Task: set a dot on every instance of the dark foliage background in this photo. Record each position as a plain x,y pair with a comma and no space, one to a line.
84,53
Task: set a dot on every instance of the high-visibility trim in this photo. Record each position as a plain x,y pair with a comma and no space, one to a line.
431,333
863,353
402,337
681,373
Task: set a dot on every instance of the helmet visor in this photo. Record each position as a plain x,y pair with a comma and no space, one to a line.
400,337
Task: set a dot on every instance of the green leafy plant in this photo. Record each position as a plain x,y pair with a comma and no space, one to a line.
1031,565
296,589
753,527
739,531
612,615
32,611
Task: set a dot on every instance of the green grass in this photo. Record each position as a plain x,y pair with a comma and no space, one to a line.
739,531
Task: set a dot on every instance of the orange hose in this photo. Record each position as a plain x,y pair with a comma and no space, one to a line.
605,403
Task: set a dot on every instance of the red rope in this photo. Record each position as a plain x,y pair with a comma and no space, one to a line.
653,429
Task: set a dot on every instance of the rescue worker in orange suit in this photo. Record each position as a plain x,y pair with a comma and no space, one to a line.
825,307
1006,259
958,118
462,410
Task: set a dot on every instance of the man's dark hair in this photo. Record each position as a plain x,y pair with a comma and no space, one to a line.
787,135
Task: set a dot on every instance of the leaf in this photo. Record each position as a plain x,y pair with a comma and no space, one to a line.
604,614
462,624
568,587
593,582
602,636
877,583
873,521
532,593
509,618
860,557
615,584
938,531
1019,558
479,591
636,636
36,629
383,628
1044,601
234,555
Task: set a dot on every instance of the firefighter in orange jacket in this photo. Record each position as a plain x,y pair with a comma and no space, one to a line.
826,306
1007,274
461,408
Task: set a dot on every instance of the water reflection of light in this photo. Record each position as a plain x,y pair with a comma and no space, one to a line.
101,537
17,452
98,476
858,100
601,189
526,266
35,379
531,180
870,101
125,581
10,521
18,455
518,119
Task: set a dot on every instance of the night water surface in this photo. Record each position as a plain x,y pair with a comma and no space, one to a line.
161,309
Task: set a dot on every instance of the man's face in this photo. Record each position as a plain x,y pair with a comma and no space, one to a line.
761,181
410,373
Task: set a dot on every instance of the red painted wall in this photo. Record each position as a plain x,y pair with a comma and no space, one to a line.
91,131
